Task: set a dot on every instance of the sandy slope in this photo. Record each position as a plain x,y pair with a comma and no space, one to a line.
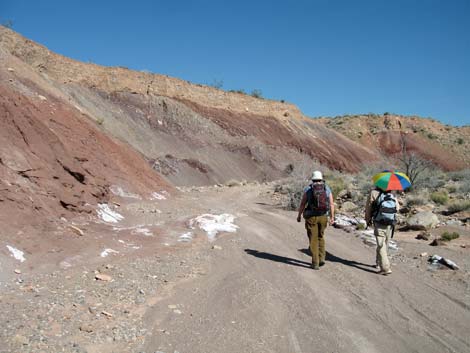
253,292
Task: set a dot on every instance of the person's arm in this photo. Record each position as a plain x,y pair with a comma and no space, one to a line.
368,213
332,209
302,206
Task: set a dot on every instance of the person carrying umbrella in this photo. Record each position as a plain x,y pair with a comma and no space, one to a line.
381,209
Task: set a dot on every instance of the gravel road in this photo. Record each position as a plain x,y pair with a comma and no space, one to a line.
248,291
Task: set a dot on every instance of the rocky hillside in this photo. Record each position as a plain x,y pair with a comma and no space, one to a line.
447,146
191,134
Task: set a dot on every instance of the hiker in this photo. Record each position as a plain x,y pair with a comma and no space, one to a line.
318,209
381,209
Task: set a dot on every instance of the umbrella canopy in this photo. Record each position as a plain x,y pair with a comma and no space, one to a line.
391,180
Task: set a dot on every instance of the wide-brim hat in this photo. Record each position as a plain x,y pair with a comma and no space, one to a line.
317,175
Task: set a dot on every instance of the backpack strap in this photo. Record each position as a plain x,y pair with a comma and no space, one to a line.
377,205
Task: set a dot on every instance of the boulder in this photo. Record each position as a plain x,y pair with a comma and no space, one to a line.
437,242
344,194
422,221
425,235
454,222
348,206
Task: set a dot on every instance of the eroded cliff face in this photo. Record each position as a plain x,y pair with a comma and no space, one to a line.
191,134
55,163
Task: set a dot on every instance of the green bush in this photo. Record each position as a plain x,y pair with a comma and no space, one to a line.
360,226
440,197
446,236
460,141
458,206
336,185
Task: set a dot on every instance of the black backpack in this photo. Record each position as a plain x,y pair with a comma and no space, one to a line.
318,201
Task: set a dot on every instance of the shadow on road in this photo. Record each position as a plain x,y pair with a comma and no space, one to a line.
277,258
333,258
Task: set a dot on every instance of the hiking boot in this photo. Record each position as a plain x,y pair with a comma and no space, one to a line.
315,267
385,273
322,263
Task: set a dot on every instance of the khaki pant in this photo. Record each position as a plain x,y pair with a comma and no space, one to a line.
382,236
316,226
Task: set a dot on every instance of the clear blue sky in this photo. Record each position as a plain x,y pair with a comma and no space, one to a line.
329,57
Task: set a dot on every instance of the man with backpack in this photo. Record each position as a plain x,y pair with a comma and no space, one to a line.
318,209
381,209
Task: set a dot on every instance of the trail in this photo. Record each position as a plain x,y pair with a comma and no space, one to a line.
260,295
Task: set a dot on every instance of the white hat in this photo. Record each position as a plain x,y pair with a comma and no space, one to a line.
317,175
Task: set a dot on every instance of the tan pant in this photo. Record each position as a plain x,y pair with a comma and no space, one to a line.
382,236
316,226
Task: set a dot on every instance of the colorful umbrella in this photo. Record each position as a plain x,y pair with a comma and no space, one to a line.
391,180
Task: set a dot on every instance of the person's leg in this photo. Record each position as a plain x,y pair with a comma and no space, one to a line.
322,223
381,232
314,248
308,236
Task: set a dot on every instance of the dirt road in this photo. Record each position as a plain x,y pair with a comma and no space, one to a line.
260,295
248,291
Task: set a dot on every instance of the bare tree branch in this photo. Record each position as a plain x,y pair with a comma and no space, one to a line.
413,164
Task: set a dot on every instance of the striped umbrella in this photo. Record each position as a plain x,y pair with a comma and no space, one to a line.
391,180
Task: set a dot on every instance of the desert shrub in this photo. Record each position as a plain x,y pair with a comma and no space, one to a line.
464,187
361,226
432,178
451,188
446,236
218,84
460,141
7,23
458,206
293,191
417,199
336,183
440,197
463,174
257,93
